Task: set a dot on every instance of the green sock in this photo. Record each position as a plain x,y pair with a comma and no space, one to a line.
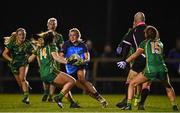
50,96
173,103
137,96
60,95
129,102
26,93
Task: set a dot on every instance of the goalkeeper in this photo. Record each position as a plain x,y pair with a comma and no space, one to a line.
76,53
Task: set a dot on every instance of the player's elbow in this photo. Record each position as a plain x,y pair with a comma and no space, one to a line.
5,53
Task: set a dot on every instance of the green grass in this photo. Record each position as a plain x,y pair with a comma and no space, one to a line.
12,103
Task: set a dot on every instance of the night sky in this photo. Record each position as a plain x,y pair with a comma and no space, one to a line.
102,21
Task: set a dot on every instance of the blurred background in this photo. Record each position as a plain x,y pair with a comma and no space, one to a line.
102,24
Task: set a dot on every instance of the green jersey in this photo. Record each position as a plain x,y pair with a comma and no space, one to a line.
48,67
58,40
20,52
153,50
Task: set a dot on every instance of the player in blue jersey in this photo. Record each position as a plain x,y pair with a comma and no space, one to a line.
73,46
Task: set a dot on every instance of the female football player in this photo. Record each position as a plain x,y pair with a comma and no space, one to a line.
48,59
49,89
17,51
75,47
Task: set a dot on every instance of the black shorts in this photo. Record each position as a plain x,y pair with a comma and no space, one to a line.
74,75
139,64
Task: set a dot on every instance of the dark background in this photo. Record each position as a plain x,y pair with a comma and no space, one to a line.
102,21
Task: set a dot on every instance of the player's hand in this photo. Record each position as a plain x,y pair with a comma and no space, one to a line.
71,61
122,64
12,62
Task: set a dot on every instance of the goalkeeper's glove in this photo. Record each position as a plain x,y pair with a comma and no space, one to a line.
122,64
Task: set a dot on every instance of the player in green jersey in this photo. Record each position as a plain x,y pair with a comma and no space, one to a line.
58,39
17,50
155,68
50,88
48,59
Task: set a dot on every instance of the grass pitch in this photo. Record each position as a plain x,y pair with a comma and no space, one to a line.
12,103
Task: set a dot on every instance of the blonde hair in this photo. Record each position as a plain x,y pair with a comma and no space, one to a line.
22,30
77,32
11,38
52,19
139,17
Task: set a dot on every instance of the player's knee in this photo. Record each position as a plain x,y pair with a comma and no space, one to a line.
22,80
146,87
72,81
132,83
82,80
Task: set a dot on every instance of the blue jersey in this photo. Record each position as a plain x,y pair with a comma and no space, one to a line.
68,49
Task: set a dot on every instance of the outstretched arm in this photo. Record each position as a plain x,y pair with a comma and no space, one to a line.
122,64
138,52
58,58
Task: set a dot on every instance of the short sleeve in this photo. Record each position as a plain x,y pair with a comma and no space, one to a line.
142,44
59,39
30,47
9,46
64,48
53,47
128,38
85,48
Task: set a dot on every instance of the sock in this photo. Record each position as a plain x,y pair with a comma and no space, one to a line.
129,102
126,92
99,97
93,95
46,92
173,103
144,94
96,94
26,94
126,89
50,96
137,96
60,95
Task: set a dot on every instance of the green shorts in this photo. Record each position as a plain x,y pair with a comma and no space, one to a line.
49,78
15,67
156,76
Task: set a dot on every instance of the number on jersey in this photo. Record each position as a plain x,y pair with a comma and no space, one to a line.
43,53
155,47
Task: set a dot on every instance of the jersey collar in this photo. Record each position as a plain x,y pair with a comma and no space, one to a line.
140,23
